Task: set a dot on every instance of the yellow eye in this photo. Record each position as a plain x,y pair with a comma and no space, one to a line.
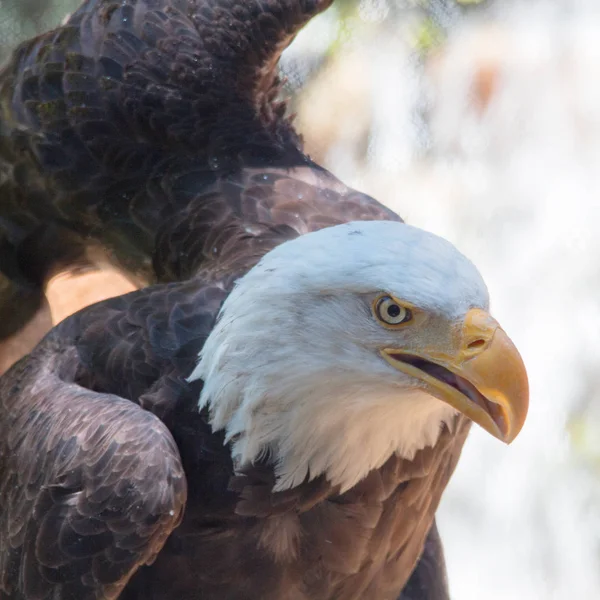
391,312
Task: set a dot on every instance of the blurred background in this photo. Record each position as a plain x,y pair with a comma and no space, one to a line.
479,121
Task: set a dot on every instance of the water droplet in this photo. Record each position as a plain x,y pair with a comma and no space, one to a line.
171,512
300,196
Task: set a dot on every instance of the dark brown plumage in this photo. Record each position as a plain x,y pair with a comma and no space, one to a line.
152,128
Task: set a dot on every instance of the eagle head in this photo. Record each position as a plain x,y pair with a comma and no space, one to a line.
353,343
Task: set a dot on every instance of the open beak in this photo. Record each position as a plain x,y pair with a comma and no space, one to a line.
484,378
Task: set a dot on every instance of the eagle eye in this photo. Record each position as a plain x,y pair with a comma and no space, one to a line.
390,312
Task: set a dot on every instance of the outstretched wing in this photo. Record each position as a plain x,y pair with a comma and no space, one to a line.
152,128
91,485
94,114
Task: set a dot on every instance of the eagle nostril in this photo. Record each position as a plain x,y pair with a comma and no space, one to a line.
475,344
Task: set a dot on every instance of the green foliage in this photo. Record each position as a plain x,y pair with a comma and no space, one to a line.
583,431
428,35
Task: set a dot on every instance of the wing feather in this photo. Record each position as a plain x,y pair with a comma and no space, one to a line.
429,580
151,129
91,485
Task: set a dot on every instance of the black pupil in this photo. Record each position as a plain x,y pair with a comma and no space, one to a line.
393,310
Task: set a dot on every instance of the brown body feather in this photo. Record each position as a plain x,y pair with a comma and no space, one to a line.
152,128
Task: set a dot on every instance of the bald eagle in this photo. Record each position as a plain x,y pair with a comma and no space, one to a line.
277,415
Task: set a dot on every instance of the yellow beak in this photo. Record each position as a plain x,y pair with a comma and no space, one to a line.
483,377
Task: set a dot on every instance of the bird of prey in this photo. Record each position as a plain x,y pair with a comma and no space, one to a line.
274,417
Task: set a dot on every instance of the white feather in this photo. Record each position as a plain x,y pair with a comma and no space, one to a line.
292,367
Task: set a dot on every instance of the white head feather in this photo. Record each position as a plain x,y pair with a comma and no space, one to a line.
292,367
